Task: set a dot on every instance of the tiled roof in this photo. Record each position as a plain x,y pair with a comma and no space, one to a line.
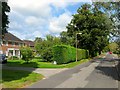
28,42
11,37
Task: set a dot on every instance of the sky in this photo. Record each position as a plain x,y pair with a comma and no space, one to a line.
37,18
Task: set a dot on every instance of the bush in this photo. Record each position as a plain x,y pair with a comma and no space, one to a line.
27,53
37,57
65,54
47,55
13,58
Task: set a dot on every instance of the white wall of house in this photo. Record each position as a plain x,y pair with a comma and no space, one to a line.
13,52
1,52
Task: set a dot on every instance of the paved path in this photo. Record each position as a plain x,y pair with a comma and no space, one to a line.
100,73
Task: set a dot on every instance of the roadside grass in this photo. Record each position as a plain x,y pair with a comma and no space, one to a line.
36,63
18,79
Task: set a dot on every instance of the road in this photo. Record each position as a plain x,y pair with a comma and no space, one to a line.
98,73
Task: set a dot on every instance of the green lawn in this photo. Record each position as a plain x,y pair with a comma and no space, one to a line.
18,79
37,64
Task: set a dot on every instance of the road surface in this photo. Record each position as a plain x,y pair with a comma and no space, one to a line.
98,73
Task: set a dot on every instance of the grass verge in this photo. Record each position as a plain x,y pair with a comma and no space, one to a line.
37,64
18,79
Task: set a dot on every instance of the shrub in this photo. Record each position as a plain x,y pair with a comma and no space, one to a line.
47,54
65,54
37,57
27,53
13,58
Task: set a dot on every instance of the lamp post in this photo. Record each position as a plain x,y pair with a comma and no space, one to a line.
76,44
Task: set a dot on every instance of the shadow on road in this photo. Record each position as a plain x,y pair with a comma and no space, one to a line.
108,69
118,68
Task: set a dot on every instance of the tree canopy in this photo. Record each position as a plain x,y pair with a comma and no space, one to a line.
112,9
95,27
5,21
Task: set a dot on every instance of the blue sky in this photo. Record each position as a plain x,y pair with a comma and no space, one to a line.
37,18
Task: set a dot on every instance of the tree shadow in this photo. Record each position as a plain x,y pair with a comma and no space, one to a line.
19,71
118,68
108,70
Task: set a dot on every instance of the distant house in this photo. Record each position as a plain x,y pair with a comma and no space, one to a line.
10,45
29,43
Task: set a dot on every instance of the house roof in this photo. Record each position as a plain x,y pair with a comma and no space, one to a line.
10,37
29,43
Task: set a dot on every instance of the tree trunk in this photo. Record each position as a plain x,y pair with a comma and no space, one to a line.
99,52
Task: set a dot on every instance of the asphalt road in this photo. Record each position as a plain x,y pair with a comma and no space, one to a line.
98,73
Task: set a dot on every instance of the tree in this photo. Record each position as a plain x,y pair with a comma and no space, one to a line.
38,39
56,41
95,27
5,9
27,53
42,44
49,37
65,39
113,11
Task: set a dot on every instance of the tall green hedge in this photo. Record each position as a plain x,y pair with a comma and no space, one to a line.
65,54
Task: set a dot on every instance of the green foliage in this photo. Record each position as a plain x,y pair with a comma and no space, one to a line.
42,44
5,21
47,55
64,54
36,63
118,48
13,58
27,53
18,79
65,39
112,9
95,27
112,47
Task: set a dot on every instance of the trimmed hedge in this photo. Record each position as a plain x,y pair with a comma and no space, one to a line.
64,54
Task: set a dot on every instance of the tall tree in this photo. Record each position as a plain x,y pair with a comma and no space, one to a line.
5,21
113,11
38,39
65,39
95,27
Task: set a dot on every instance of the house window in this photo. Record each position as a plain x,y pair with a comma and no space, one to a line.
13,43
10,43
4,42
16,43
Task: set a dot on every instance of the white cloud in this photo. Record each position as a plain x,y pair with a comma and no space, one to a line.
15,25
36,7
58,24
37,21
31,20
37,34
34,18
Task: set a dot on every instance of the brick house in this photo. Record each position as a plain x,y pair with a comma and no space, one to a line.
29,43
10,45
